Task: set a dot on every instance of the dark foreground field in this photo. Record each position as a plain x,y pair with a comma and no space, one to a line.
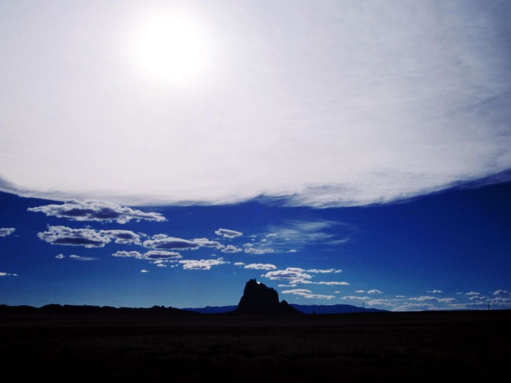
350,347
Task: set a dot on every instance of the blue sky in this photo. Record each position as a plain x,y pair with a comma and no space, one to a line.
448,250
138,138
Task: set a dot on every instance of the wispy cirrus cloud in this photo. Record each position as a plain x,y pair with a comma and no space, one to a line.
97,211
75,257
81,258
292,236
4,274
357,107
6,231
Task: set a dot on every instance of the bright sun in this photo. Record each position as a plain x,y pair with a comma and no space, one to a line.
170,47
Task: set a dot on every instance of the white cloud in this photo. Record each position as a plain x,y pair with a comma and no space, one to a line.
292,275
324,271
201,264
434,291
228,233
260,266
360,291
500,292
308,294
164,242
123,237
66,236
328,283
292,236
230,249
4,274
423,298
87,237
473,293
5,231
405,107
374,291
355,298
239,264
96,211
156,256
144,271
60,256
81,258
250,248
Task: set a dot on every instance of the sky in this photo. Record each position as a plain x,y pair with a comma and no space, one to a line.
163,152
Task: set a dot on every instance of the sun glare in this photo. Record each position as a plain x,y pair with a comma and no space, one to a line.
170,48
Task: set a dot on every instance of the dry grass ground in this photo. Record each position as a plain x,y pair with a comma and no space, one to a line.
350,347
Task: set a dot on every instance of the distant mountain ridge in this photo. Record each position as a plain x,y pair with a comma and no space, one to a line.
306,309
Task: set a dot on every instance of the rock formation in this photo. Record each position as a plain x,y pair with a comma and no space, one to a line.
259,299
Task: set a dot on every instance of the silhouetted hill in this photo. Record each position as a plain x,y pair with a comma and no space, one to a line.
211,309
81,310
260,299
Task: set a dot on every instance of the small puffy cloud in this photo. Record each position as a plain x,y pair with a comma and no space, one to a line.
60,256
5,231
4,274
80,258
434,291
87,237
66,236
96,211
128,254
164,242
260,266
379,302
473,293
205,242
143,271
230,249
308,294
500,292
151,255
161,254
423,298
355,298
228,233
291,275
250,248
400,296
360,291
374,291
239,264
324,271
201,264
123,237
